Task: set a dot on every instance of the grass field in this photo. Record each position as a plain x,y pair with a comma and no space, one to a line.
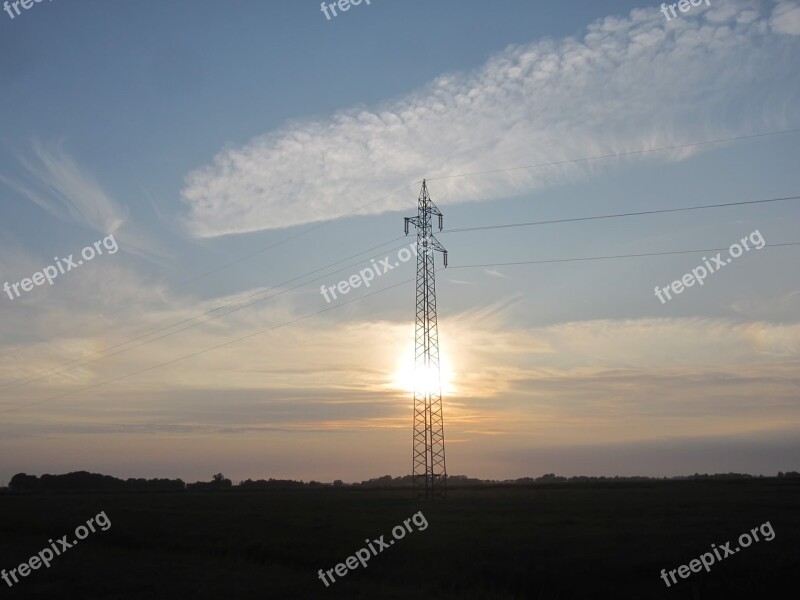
541,542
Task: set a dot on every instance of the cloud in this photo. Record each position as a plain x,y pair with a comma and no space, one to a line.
656,343
57,184
627,84
597,382
763,453
461,282
786,18
495,273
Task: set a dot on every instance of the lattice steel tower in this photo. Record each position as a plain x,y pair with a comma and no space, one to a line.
429,474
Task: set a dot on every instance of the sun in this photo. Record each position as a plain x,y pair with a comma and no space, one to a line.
406,378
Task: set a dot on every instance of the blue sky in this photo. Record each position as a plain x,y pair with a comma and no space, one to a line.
198,133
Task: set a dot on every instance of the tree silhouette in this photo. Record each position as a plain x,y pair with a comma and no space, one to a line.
221,482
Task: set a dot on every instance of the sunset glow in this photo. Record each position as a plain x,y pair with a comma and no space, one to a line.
407,378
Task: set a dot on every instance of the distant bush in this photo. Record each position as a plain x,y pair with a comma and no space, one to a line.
273,484
218,482
85,481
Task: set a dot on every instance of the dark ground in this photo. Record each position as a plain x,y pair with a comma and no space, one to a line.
543,542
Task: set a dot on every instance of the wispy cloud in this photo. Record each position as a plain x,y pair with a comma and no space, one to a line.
57,184
495,273
551,100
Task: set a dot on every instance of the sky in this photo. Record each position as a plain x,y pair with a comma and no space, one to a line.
223,161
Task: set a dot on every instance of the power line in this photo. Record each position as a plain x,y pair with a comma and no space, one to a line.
617,215
233,262
193,354
86,359
563,260
325,223
101,354
560,260
619,154
508,225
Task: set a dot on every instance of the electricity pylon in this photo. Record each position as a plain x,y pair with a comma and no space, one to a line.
429,474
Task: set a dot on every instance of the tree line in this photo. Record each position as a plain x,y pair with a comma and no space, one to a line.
85,481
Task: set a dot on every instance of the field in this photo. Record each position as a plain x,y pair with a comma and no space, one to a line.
541,542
